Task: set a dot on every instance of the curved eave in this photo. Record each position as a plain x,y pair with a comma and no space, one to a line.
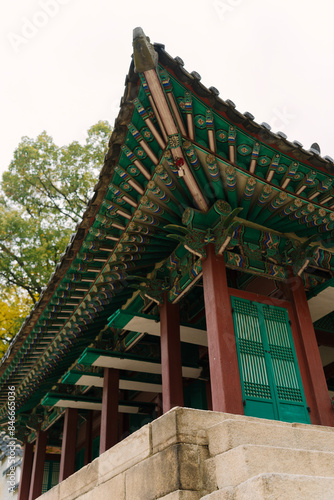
116,139
122,235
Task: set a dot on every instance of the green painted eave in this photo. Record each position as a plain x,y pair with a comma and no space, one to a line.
53,398
90,355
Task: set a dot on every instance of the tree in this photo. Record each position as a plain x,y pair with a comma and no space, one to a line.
14,306
30,248
52,182
43,195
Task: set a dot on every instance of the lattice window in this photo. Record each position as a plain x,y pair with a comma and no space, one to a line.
51,475
249,347
257,390
289,394
280,352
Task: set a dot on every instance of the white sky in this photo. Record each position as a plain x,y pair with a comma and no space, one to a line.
64,70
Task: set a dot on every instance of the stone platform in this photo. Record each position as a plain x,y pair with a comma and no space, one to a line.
192,454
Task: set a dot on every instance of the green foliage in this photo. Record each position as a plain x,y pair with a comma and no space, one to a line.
54,182
43,195
30,247
14,306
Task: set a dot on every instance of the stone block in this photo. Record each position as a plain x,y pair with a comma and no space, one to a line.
323,428
80,482
125,454
287,487
224,494
240,464
207,469
175,468
52,494
183,425
182,495
169,459
278,487
164,431
320,439
113,489
189,466
154,477
210,477
232,433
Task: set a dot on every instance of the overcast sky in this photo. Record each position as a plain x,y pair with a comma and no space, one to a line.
64,61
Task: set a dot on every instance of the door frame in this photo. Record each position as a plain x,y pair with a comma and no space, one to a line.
297,340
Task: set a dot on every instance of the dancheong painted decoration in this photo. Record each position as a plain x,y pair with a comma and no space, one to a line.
201,275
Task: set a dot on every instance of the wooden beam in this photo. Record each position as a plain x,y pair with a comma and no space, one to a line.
171,364
310,352
109,414
223,360
67,460
172,130
257,297
28,455
37,473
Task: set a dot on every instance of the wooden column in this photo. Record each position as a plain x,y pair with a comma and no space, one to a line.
89,439
109,414
171,364
223,360
38,466
28,455
310,351
67,459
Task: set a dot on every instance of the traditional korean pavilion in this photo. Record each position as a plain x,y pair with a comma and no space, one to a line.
201,275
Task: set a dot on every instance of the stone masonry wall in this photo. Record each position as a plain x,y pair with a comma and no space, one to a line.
192,454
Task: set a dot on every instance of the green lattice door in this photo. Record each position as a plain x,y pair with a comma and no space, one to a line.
270,377
51,475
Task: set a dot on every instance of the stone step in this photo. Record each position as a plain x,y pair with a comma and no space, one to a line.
246,461
224,494
278,487
231,433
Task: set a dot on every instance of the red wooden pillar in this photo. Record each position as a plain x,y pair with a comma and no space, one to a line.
223,360
171,364
38,466
317,380
89,439
109,414
28,454
67,459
